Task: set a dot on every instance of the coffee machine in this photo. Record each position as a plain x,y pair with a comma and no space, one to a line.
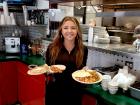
12,45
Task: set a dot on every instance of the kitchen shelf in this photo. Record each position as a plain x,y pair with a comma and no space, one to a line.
121,31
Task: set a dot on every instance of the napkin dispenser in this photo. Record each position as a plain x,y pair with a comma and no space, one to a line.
12,44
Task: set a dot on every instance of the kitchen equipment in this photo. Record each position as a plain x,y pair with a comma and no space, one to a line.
12,44
112,70
135,90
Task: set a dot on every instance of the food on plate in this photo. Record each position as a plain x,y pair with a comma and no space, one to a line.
38,70
86,76
45,66
57,68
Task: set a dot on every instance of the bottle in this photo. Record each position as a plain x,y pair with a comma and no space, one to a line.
24,42
41,17
33,17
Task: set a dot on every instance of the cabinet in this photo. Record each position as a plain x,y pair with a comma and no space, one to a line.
17,86
8,83
31,89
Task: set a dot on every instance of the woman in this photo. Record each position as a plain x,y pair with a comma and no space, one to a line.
136,35
67,49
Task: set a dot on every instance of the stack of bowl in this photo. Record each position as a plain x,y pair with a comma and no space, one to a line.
106,79
112,87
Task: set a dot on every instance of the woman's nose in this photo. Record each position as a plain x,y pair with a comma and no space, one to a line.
69,30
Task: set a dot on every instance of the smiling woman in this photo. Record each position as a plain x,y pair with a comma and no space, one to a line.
66,49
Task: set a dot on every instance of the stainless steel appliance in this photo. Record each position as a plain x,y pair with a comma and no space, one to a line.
134,90
12,44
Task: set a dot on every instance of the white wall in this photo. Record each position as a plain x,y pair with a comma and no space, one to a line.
90,12
67,7
121,21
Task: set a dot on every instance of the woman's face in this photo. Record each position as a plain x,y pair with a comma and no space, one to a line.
69,31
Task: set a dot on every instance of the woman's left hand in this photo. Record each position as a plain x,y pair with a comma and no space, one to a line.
85,68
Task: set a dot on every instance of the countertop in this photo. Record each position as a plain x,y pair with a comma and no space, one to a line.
120,48
119,98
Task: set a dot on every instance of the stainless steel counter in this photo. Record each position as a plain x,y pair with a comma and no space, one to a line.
118,48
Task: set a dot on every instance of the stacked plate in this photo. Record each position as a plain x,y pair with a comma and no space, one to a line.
85,37
115,39
101,40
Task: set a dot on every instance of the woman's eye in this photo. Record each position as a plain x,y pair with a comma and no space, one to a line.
73,28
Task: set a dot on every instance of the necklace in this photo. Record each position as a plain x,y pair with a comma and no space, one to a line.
69,50
69,47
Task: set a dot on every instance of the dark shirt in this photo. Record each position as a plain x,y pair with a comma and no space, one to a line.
69,60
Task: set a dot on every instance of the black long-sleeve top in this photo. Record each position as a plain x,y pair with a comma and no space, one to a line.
64,79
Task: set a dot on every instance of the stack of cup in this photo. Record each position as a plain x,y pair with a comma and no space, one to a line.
112,87
106,79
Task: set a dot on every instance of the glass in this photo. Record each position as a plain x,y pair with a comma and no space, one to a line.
36,47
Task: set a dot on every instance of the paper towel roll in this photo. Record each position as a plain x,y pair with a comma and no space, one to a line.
13,22
8,20
25,12
2,19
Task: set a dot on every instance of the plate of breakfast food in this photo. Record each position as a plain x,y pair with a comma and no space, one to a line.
57,68
87,76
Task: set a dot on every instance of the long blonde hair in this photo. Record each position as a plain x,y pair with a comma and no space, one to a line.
58,42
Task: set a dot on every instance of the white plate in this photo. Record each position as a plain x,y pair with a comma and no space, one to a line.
61,67
83,74
38,70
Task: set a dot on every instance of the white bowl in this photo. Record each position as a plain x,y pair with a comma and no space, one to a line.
112,84
102,40
106,77
112,91
105,88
